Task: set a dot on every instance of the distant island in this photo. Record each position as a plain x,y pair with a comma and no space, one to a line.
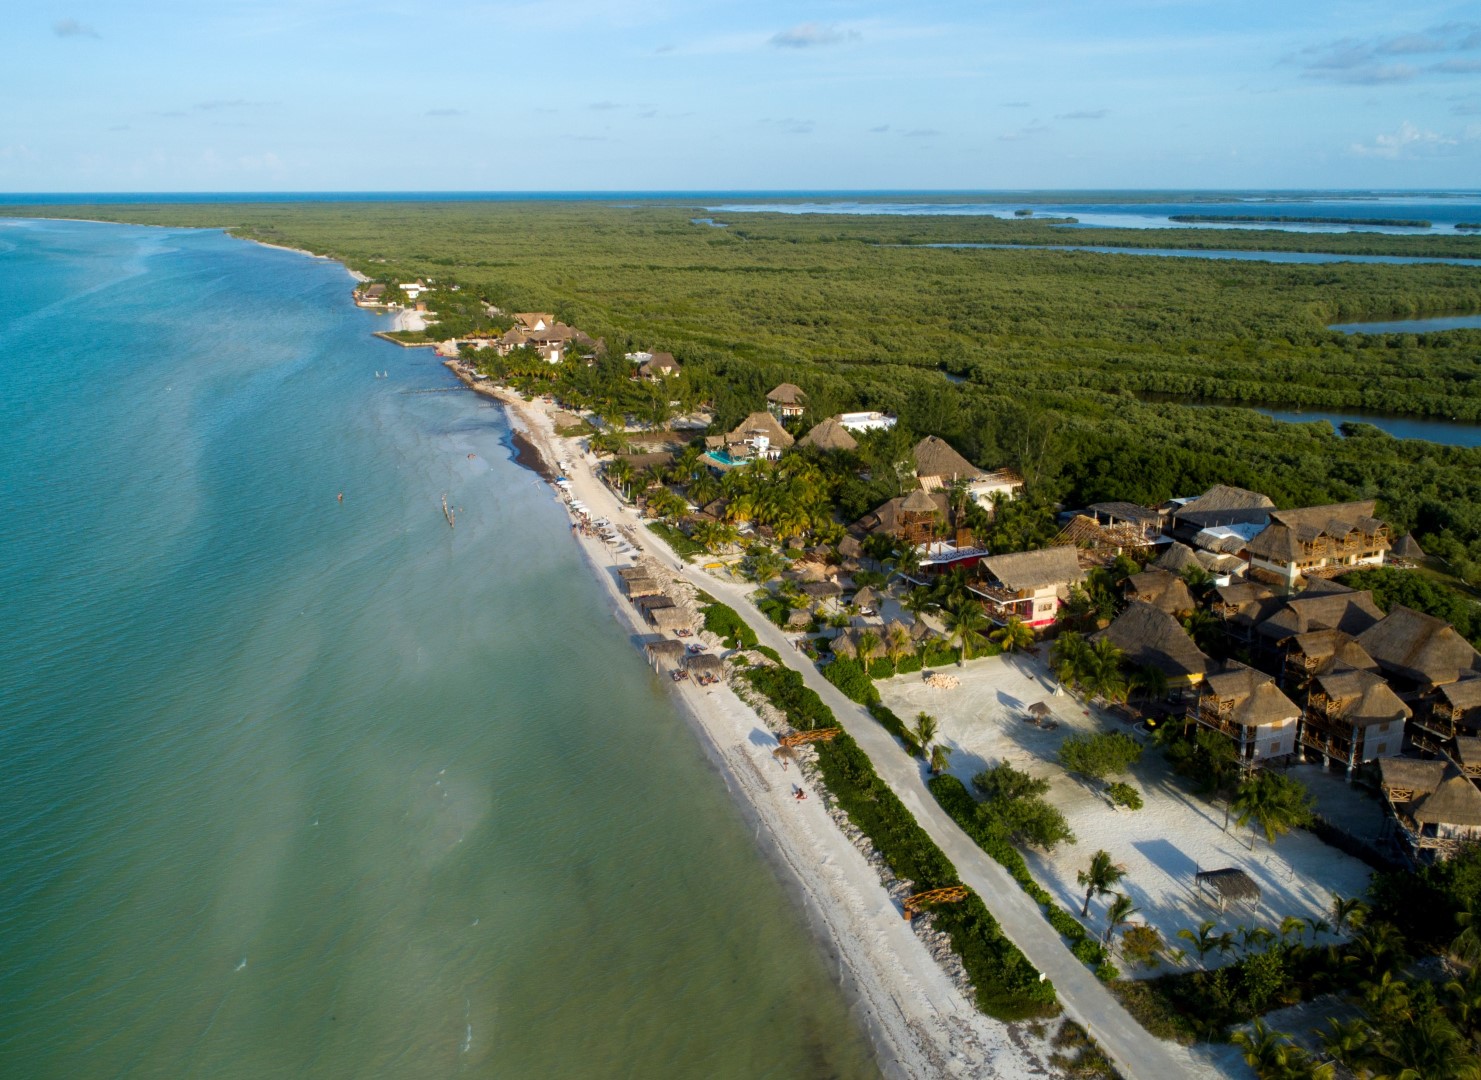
1279,219
1468,226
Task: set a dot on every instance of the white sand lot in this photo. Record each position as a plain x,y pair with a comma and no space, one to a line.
1161,846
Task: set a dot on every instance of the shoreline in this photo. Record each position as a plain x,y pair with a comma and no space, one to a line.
908,1005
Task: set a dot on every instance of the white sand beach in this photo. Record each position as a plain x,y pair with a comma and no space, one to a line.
921,1023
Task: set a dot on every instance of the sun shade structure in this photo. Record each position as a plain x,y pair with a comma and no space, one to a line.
1229,885
829,435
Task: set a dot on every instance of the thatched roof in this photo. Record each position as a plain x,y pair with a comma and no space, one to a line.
787,394
1223,505
866,597
798,618
919,502
1420,647
1177,558
1468,750
1351,612
662,364
642,586
1408,547
1257,700
627,573
936,458
821,590
671,618
1085,532
829,435
886,518
1231,883
1455,801
1024,570
1409,775
1149,636
647,603
850,547
705,664
666,649
1040,708
1362,698
1289,530
1160,589
1464,695
761,423
1332,649
847,643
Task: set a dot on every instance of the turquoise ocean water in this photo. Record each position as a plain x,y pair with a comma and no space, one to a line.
296,788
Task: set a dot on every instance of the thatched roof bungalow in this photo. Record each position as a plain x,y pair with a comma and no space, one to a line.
1437,806
1153,638
665,652
829,435
669,619
1322,651
1353,716
1318,541
1220,505
1420,651
1028,585
1163,590
1246,706
1454,710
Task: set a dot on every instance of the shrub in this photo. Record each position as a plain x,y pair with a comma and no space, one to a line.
770,653
1142,945
850,677
1125,795
1099,756
881,668
889,721
726,624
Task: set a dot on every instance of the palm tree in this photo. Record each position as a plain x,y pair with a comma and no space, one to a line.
1377,950
1319,926
1347,911
1426,1048
1253,936
1098,878
1206,941
1465,999
1119,913
1347,1043
1465,947
865,644
940,758
918,601
925,729
1102,672
1273,1055
620,473
1205,628
1291,924
1274,802
1013,635
1067,656
714,535
1150,680
897,644
906,562
964,626
704,488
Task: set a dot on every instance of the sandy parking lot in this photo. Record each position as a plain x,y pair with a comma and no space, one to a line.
1161,846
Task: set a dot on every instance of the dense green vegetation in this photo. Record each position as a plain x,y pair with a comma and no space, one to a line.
1056,351
1288,219
1421,593
1008,987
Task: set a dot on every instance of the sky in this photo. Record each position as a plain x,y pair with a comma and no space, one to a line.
610,95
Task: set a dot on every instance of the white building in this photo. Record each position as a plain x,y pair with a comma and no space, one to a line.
866,421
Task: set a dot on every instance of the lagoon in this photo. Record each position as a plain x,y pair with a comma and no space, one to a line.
1312,257
1431,325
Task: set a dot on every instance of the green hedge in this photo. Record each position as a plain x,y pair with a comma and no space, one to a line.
770,653
957,801
890,722
849,676
683,546
723,621
1008,986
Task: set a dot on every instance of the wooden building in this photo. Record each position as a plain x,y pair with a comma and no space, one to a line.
1353,717
1418,652
1317,541
1029,585
1248,708
1437,806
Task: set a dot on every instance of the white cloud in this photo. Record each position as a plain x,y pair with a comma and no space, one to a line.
1408,142
811,35
71,28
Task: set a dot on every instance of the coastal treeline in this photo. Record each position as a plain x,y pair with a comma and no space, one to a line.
1078,368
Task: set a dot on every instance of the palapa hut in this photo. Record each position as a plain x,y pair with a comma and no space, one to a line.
938,465
1230,885
1242,606
866,600
787,400
665,653
705,664
1346,610
1353,717
916,524
1165,591
1152,638
829,435
670,619
1468,755
1177,558
1436,805
847,644
1248,708
640,586
1418,651
1406,552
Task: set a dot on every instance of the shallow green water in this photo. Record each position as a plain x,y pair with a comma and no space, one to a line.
307,789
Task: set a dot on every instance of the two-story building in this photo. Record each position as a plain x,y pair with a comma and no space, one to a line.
1317,541
1029,585
1353,717
1246,706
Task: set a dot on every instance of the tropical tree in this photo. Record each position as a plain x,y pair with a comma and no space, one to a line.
897,644
1205,628
1098,878
1426,1047
1101,755
918,601
620,474
1118,914
1347,911
665,504
965,624
1150,681
925,728
1274,1056
866,644
1274,802
714,535
1347,1043
940,758
1206,940
1377,950
1015,634
906,561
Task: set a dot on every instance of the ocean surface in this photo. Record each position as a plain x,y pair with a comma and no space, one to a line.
1297,257
302,788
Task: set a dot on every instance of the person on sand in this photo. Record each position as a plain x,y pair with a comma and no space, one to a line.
798,793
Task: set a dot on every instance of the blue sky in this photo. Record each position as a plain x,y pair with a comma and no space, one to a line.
713,94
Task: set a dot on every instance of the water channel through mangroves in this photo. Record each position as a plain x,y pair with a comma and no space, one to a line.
296,787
